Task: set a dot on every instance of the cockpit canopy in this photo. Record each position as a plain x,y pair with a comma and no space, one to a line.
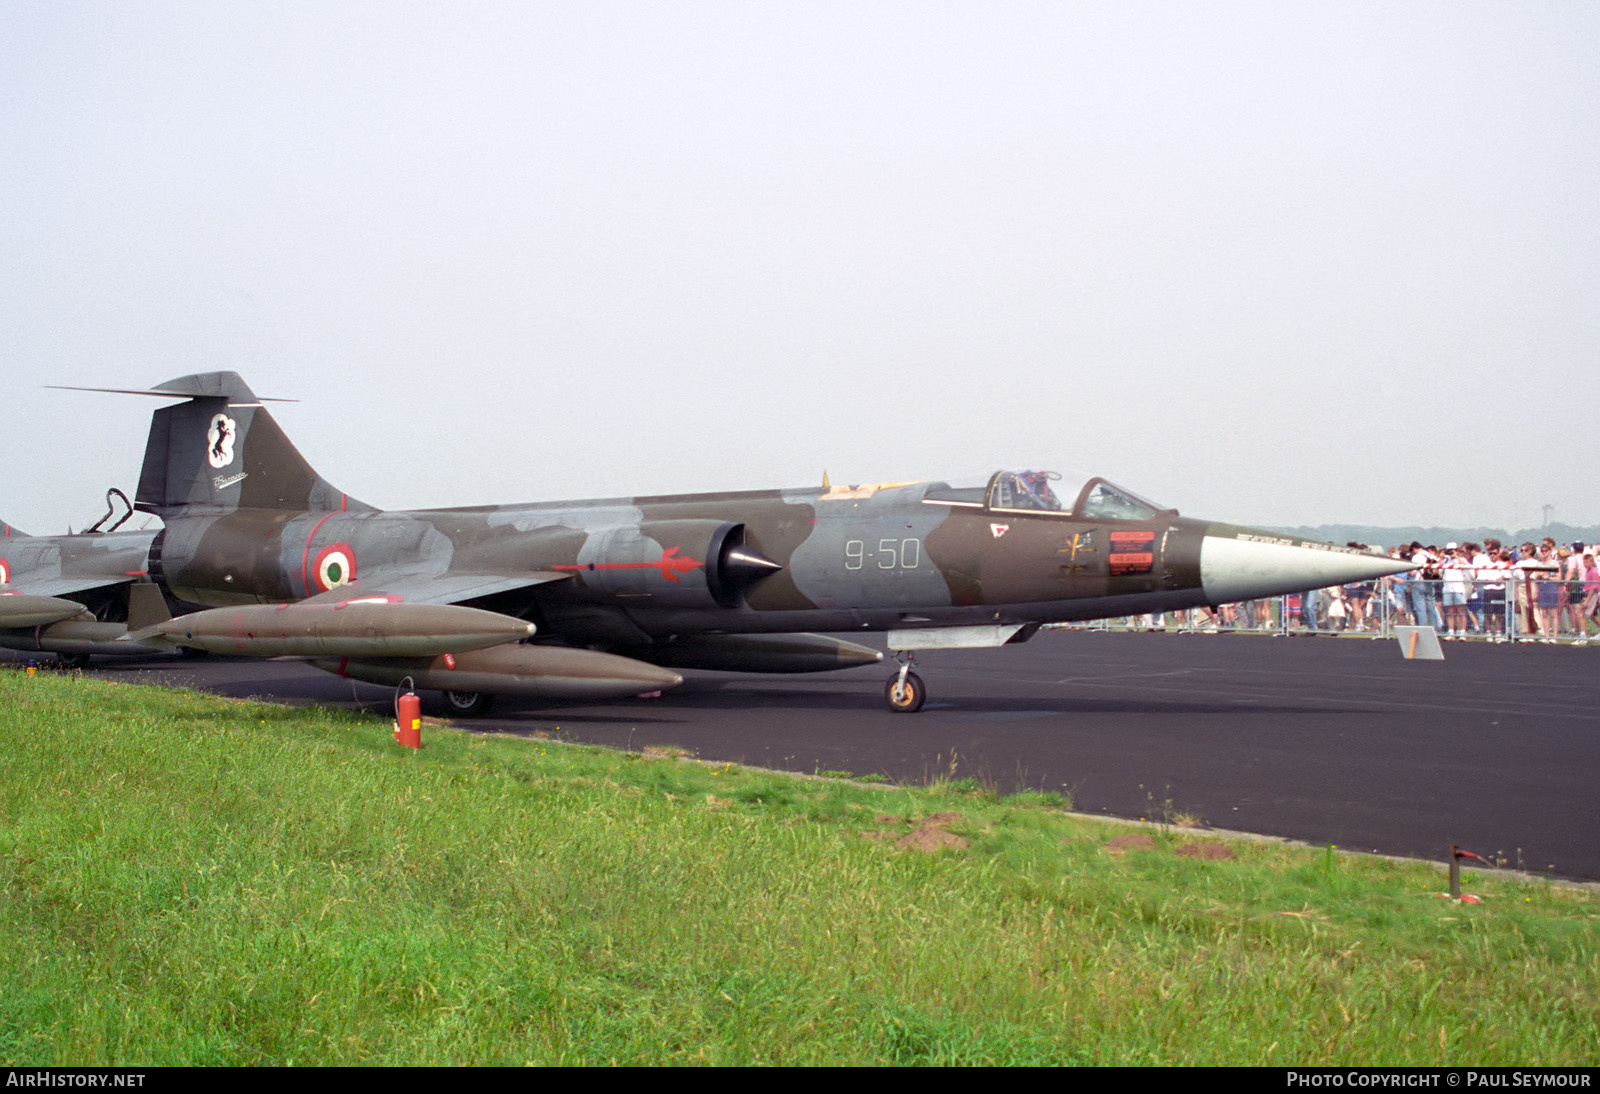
1026,490
1089,497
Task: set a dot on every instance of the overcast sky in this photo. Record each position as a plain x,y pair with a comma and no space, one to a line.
1274,263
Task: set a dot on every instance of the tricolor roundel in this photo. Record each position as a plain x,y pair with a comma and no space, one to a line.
335,566
5,572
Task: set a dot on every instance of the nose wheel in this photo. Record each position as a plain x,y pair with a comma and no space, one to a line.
905,692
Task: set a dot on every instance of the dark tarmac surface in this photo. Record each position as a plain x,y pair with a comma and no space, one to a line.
1326,740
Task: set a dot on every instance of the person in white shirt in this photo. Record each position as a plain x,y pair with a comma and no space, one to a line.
1457,571
1487,567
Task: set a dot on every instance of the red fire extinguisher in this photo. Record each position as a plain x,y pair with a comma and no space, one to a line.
408,720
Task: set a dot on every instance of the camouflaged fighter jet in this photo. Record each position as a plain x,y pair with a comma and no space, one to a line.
604,597
72,595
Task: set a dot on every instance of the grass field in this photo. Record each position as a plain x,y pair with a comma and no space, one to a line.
192,880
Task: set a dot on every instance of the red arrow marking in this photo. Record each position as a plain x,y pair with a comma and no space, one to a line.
669,565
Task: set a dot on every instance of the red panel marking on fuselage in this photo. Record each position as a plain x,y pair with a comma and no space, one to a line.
669,566
305,559
1132,552
1122,565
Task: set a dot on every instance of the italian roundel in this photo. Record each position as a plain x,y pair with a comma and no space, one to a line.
335,566
5,572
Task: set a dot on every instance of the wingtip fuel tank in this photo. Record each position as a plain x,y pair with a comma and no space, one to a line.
20,610
539,672
343,629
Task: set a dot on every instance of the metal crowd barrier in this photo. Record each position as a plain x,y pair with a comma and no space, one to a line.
1516,607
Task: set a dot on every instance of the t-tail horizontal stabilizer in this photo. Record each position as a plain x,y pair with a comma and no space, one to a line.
222,450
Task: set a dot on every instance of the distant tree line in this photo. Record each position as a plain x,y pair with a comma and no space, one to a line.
1389,537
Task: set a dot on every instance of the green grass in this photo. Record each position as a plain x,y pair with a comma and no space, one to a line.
190,880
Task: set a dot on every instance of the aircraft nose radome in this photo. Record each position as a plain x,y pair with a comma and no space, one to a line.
1260,564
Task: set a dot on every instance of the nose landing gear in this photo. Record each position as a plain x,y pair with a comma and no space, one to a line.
904,692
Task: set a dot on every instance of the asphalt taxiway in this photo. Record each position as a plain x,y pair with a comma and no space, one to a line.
1328,740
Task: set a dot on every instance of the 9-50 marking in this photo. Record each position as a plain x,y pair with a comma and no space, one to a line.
891,554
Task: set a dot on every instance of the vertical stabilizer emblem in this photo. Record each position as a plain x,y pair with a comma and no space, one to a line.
219,440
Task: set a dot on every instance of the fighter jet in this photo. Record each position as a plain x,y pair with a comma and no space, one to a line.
605,597
70,595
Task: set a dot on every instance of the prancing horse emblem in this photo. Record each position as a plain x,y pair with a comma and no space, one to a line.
220,439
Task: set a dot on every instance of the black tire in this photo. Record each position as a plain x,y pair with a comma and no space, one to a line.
467,704
907,699
73,660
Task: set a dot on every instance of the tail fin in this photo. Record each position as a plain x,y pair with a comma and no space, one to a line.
8,531
222,450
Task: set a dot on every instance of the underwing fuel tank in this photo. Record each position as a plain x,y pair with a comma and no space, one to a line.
540,672
347,629
764,653
19,610
77,637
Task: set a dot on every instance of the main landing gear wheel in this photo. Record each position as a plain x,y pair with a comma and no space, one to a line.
904,696
468,704
73,660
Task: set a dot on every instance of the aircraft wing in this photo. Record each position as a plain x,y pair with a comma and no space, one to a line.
434,587
66,584
65,565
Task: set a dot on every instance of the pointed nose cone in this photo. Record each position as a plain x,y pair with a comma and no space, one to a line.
1245,563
